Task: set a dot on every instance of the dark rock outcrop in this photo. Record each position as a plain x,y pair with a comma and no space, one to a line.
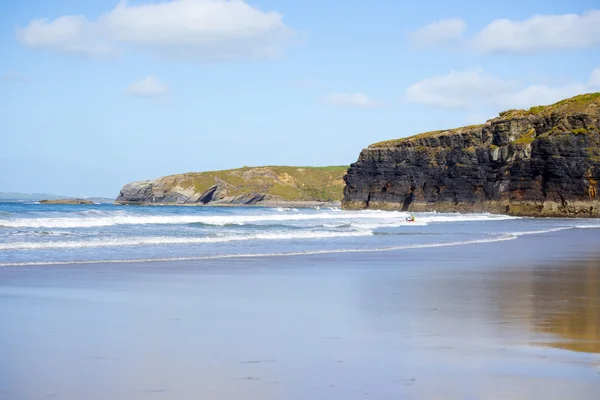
541,162
67,201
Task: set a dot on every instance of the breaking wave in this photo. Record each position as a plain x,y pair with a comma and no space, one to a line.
165,240
221,220
299,253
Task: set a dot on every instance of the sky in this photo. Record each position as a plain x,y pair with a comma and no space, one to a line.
96,94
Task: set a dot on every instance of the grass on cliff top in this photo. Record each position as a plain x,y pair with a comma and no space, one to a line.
424,135
282,182
581,103
574,104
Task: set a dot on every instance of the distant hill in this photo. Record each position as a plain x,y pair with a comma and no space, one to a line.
14,196
269,185
29,196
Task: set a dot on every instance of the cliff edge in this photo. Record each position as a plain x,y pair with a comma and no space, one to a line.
544,161
267,186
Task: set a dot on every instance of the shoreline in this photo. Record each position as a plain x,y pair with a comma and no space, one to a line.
534,209
523,209
266,255
402,324
517,239
265,204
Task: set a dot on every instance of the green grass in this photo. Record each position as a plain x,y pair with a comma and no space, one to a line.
527,138
570,105
593,153
425,135
280,182
581,103
330,167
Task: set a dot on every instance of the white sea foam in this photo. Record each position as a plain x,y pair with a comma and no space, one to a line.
387,224
587,226
282,209
462,217
538,232
166,240
300,253
220,220
40,233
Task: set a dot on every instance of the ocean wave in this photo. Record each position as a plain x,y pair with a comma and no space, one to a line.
461,217
36,233
289,254
538,232
221,220
166,240
100,212
387,224
587,226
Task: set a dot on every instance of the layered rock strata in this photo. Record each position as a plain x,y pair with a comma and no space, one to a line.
544,161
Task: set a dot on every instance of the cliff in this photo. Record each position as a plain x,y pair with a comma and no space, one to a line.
544,161
268,186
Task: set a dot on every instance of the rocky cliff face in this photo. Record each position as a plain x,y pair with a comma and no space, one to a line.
243,186
544,161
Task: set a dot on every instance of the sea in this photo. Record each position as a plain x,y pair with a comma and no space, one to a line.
38,234
107,301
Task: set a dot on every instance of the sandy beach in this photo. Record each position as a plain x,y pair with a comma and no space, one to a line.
505,320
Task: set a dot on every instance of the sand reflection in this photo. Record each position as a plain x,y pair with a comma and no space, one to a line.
550,304
558,302
566,301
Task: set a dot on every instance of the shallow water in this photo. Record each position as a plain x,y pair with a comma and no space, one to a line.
33,233
515,319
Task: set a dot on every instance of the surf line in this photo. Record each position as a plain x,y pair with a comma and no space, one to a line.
290,254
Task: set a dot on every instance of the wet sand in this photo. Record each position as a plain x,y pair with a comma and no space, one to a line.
508,320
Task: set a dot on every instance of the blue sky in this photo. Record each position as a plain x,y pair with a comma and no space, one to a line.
98,94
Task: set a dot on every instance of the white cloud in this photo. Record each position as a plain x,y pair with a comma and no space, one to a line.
594,82
538,95
148,87
540,33
458,89
476,118
360,100
194,29
474,89
69,34
439,32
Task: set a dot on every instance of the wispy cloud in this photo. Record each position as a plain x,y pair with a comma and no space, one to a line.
594,82
191,29
11,76
540,33
533,35
439,32
474,88
476,118
458,89
359,100
147,87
